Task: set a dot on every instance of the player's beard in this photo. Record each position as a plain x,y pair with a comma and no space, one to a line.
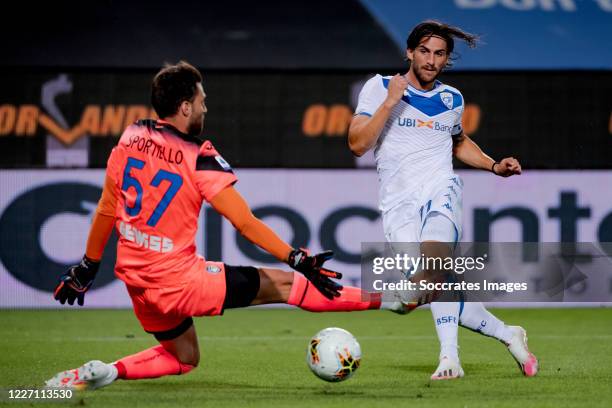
196,127
419,72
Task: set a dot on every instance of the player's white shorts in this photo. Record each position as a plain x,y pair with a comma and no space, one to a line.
433,215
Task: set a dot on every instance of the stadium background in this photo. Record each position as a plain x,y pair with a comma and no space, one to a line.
282,81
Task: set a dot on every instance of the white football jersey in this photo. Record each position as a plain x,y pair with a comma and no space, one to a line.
415,147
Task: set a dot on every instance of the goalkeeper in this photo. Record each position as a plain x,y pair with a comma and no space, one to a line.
156,180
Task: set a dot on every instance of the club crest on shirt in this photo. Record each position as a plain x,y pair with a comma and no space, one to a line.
447,99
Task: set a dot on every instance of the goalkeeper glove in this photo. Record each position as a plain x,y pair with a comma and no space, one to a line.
312,268
74,283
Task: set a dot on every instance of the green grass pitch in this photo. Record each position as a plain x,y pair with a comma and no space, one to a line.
256,358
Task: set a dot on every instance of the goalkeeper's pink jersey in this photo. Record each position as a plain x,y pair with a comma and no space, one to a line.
161,178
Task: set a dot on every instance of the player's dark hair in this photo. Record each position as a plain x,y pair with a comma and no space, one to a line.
432,28
173,85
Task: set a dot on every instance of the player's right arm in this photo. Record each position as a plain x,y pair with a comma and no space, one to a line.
78,279
76,282
365,129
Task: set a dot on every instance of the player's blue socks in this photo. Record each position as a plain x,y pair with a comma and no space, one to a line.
446,319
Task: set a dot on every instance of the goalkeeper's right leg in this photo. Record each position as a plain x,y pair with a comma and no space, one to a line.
177,354
91,375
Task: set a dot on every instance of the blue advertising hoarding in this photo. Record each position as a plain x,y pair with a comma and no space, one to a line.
515,34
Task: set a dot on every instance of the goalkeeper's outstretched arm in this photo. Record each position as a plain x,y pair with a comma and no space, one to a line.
235,209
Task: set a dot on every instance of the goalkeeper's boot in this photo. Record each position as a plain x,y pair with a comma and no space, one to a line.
89,376
448,369
517,346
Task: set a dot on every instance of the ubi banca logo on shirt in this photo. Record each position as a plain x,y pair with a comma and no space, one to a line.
424,124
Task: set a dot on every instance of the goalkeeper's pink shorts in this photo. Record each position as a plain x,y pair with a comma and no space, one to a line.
162,309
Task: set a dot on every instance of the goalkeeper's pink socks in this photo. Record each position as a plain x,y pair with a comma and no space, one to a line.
150,363
306,296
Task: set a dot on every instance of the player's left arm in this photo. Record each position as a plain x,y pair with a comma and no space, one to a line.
466,150
231,205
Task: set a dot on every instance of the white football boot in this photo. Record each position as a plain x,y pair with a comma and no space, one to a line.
91,375
448,369
517,346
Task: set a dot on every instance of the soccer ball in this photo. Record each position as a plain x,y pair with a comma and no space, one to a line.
333,354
